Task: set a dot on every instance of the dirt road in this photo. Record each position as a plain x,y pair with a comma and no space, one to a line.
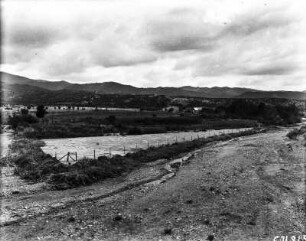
251,188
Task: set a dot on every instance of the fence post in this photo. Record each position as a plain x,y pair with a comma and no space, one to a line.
136,147
94,154
55,156
110,152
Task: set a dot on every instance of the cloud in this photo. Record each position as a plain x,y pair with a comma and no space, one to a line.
283,69
172,43
32,35
181,29
260,43
123,47
256,21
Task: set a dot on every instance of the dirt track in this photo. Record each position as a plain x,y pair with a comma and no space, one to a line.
251,188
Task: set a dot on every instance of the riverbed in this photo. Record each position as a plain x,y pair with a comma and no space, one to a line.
91,147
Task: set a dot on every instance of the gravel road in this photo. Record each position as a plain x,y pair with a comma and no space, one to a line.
249,188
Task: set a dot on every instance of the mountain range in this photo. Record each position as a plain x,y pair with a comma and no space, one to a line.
23,87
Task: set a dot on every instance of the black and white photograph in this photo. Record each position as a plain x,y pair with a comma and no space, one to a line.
153,120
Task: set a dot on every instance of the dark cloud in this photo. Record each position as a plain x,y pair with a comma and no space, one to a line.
32,36
116,62
181,43
272,70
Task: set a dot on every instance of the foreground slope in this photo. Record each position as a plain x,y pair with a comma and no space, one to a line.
251,188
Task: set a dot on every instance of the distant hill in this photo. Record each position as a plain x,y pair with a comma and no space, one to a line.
104,88
116,88
24,88
29,94
7,78
274,94
220,92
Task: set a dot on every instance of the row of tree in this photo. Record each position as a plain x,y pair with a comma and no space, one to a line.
263,112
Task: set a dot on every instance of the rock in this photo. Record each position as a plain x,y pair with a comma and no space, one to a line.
189,201
15,192
71,219
206,222
212,189
210,237
175,165
168,231
252,222
118,217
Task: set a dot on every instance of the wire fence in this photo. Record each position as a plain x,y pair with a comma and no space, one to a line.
124,147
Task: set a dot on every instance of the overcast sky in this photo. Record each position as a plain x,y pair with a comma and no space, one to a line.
256,44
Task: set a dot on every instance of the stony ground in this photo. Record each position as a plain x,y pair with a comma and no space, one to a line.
250,188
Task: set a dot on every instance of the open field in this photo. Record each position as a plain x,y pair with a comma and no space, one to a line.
249,188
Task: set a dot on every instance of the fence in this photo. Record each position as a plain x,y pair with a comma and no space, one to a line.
69,157
123,149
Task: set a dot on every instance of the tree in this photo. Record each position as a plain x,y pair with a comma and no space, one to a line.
40,111
111,119
24,111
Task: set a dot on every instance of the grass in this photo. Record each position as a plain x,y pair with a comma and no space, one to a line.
33,164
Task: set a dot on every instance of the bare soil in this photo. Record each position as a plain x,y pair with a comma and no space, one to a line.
249,188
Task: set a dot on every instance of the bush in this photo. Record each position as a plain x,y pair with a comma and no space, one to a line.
24,111
134,131
21,120
293,134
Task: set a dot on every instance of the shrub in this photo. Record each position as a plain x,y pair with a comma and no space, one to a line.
21,120
293,134
134,131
